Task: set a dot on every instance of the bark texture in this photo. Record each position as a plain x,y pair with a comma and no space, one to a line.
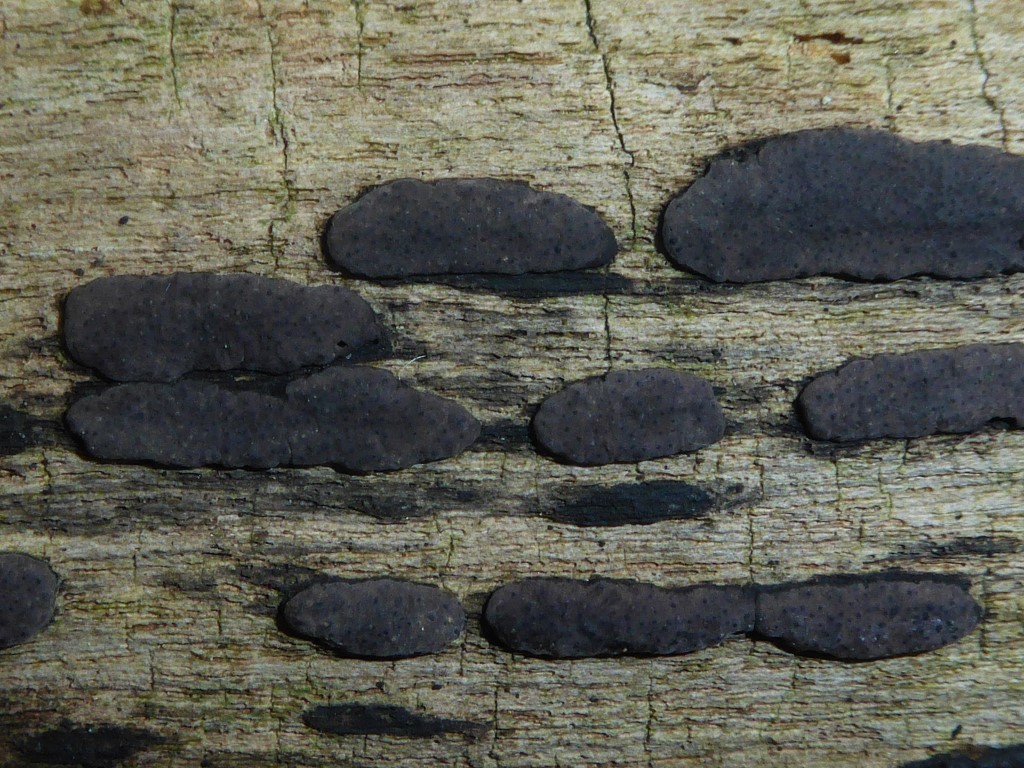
165,135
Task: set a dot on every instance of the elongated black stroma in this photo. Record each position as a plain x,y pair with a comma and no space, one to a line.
953,390
863,204
386,720
91,746
28,594
156,328
628,416
376,618
356,419
451,226
874,616
566,618
975,757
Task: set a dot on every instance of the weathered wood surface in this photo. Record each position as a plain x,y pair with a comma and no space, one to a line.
159,136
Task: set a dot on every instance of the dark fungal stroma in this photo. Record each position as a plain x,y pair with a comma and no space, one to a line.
376,618
934,391
28,594
864,204
874,616
628,416
156,328
453,226
566,618
356,419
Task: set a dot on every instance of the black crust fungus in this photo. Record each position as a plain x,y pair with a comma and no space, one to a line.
977,757
376,618
455,226
92,746
157,328
28,594
628,416
386,720
862,204
356,419
921,393
632,504
565,618
15,431
860,618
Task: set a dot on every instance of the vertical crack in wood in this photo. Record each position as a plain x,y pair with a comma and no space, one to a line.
890,109
630,157
360,12
172,28
999,112
609,83
279,130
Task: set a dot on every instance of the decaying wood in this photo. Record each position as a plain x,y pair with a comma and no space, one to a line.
142,137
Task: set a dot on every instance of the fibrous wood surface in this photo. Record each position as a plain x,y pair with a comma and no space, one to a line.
142,137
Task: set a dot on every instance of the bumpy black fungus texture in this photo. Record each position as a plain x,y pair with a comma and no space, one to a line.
875,616
157,328
386,719
978,757
92,746
355,419
627,416
921,393
377,618
853,203
452,226
565,618
28,594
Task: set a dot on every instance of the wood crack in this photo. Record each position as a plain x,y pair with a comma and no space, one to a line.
173,54
999,112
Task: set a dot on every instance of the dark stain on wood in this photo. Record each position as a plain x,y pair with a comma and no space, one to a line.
387,720
631,504
91,746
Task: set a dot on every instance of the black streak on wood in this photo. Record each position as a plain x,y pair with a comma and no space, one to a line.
386,719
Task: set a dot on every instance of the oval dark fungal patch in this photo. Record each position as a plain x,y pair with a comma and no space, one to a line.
157,328
975,757
934,391
386,720
566,618
454,226
376,618
356,419
15,431
862,204
632,504
628,416
92,746
28,595
860,618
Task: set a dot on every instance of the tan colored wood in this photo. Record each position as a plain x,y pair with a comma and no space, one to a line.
226,133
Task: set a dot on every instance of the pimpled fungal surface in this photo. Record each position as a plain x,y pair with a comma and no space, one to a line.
28,594
934,391
628,416
92,746
375,618
862,204
353,418
975,757
456,226
860,618
386,720
157,328
565,618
